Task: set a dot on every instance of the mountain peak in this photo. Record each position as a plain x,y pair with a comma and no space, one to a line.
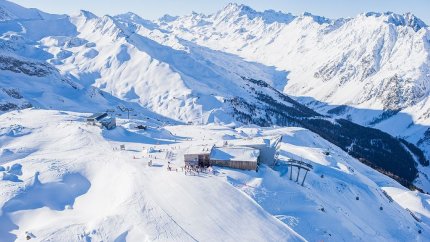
234,7
129,16
316,18
168,18
10,10
87,14
407,19
239,10
135,18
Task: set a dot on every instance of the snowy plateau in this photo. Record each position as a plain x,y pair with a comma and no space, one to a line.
347,98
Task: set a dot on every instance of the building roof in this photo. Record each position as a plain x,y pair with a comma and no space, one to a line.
97,116
234,153
106,119
250,142
199,149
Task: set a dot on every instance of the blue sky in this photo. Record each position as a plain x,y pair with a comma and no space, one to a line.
152,9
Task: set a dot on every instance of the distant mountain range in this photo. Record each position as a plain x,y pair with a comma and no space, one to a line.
372,69
235,66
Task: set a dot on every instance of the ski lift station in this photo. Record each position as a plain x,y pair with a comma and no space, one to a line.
102,120
198,155
267,147
238,157
244,158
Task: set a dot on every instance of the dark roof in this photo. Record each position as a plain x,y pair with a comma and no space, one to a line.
106,120
98,116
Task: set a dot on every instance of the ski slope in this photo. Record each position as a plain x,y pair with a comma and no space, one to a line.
62,180
76,183
86,62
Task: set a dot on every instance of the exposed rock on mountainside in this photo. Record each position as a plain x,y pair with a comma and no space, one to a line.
158,66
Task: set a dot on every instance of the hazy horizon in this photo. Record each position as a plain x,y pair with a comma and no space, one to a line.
155,9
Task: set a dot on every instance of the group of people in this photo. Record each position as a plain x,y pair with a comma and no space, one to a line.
170,168
196,169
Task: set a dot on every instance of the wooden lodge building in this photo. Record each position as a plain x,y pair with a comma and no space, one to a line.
245,158
198,155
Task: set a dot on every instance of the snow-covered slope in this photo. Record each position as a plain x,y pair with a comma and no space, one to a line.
65,180
72,184
27,83
128,58
28,79
138,63
62,179
374,66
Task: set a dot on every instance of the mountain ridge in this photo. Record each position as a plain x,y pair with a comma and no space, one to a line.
158,69
375,61
191,81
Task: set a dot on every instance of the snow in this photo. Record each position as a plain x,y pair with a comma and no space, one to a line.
19,12
37,195
76,183
63,180
79,187
416,202
198,149
235,154
371,63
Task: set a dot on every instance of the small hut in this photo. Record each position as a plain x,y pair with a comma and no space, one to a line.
102,120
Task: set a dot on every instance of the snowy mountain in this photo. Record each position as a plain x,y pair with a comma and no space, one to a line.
29,80
374,67
141,64
234,68
63,179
